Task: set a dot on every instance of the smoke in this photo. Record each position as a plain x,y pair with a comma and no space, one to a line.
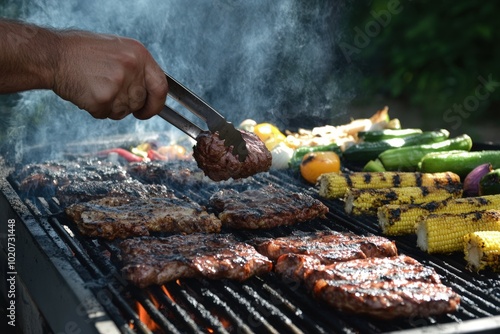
273,61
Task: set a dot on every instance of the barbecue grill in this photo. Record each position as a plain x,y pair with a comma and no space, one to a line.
68,283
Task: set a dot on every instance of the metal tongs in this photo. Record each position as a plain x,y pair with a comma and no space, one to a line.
215,121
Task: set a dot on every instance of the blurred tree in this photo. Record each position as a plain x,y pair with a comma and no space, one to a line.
441,56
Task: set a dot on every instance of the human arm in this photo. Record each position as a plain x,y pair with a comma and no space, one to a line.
107,75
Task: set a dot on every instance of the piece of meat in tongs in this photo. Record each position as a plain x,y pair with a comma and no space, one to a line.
223,151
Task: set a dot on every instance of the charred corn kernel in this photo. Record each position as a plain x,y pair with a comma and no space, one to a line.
335,185
401,219
444,233
482,250
367,201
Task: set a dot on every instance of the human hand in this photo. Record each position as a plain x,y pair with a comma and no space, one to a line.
109,76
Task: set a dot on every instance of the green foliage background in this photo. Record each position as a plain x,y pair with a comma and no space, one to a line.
430,55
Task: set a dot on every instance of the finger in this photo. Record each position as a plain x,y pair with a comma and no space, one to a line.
157,89
99,113
119,110
102,101
137,95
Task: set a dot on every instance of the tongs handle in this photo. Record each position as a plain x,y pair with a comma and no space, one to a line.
180,122
196,105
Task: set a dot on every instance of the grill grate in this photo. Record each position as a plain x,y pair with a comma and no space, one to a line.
262,304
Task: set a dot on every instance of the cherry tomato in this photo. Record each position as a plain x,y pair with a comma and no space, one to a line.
316,163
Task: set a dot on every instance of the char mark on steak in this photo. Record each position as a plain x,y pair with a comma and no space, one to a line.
179,172
219,163
266,207
43,179
384,288
400,267
295,255
77,191
327,246
123,217
148,260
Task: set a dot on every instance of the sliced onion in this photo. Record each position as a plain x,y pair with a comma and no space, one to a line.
471,181
281,156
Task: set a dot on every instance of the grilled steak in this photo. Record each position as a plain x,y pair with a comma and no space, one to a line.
384,288
182,174
122,217
150,261
179,172
77,191
218,162
43,179
298,253
400,267
295,267
265,207
327,246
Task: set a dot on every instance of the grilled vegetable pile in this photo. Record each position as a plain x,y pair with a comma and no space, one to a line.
418,182
300,150
428,205
442,226
377,143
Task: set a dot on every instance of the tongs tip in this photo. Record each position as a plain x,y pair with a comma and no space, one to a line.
233,137
215,121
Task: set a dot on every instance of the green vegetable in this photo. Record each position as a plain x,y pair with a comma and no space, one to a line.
408,158
387,134
490,183
299,153
459,162
374,166
366,151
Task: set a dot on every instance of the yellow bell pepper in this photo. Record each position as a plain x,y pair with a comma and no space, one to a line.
266,130
269,134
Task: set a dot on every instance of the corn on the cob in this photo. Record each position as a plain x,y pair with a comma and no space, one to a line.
335,185
401,219
367,201
444,233
482,250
